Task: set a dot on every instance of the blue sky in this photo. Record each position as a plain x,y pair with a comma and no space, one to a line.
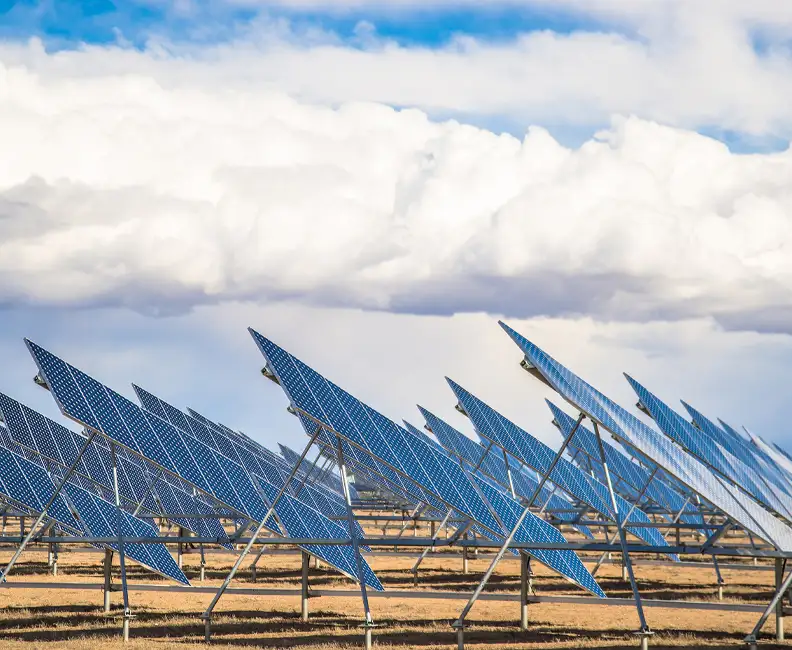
65,23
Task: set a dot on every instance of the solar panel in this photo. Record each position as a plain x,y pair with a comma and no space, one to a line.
632,431
691,439
256,459
99,518
761,465
494,466
632,473
61,445
27,482
84,399
534,453
338,411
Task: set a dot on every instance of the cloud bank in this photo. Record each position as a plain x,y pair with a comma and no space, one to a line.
121,185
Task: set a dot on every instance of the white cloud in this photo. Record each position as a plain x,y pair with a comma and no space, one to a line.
117,188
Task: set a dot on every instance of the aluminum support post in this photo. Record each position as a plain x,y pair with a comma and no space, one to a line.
368,623
609,538
207,615
107,567
425,552
306,562
644,632
120,543
776,601
525,590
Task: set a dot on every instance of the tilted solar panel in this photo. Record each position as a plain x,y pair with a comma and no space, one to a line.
632,431
688,437
761,466
632,473
26,481
534,453
494,466
257,460
338,411
84,399
61,445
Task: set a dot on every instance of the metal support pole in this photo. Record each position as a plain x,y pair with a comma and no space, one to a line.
203,564
43,514
776,601
108,563
780,565
525,570
180,549
55,558
368,623
509,474
424,553
609,538
306,561
121,552
644,631
465,559
207,615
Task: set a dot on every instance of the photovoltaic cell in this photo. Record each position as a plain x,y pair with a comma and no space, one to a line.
59,444
688,437
632,473
494,466
534,453
82,398
28,483
632,431
428,465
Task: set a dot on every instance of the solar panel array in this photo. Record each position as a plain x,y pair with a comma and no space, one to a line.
26,482
759,464
256,459
494,466
84,399
710,453
537,455
636,477
138,484
632,431
370,431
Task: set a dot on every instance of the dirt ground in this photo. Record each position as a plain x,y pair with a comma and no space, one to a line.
52,618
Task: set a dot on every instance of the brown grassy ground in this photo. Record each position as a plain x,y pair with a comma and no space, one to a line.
33,618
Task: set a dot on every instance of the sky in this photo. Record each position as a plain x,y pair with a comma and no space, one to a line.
373,185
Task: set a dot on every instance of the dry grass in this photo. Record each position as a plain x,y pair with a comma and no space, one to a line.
33,618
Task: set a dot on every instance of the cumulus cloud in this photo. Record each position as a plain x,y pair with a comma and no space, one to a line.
117,189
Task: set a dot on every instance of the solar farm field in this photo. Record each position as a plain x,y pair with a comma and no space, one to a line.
64,618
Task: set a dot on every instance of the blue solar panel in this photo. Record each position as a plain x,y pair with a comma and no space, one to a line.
632,473
494,467
46,437
410,455
27,482
256,459
632,431
688,437
761,466
98,407
99,519
536,454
